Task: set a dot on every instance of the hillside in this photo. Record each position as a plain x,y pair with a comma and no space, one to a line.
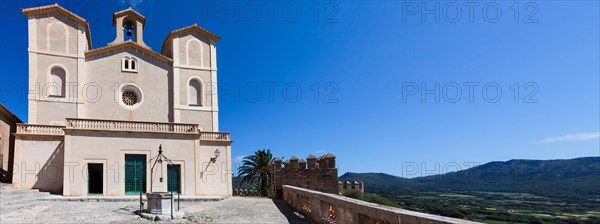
515,191
576,178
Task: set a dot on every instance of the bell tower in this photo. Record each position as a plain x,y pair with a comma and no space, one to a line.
129,25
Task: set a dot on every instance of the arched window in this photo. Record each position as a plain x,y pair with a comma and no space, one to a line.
56,86
195,93
129,64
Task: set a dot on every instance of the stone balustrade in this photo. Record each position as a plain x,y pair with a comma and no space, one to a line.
332,208
124,126
36,129
214,136
245,192
131,126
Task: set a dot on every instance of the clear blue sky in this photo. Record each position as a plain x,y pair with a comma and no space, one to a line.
369,55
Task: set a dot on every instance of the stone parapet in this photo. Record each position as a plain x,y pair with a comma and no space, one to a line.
333,208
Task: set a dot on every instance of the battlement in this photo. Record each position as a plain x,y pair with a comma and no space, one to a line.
351,186
319,174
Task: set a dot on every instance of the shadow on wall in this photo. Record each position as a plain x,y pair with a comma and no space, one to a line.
50,176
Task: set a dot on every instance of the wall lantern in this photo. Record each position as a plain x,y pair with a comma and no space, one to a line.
214,159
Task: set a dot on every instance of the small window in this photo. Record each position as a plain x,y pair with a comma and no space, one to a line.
129,64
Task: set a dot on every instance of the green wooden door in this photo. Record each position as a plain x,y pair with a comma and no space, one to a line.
174,178
135,174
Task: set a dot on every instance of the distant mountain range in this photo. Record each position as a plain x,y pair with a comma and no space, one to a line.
572,178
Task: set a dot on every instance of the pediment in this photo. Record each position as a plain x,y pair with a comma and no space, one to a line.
128,44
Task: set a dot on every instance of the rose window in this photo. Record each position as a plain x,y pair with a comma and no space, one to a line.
130,98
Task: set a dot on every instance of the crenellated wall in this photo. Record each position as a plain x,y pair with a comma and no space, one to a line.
351,186
319,174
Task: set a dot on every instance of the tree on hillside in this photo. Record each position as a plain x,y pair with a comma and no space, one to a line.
256,169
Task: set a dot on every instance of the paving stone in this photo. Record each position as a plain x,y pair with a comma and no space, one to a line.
40,207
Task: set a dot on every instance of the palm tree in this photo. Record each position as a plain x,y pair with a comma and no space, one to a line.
256,169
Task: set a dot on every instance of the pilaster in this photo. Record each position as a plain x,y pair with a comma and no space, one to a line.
176,81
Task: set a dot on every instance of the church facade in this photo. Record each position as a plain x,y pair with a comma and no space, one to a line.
97,116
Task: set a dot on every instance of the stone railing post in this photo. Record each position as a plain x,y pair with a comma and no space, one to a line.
329,161
287,165
294,162
312,162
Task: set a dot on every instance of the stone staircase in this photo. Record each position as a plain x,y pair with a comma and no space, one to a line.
12,199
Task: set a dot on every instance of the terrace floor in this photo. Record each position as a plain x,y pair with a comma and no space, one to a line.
229,210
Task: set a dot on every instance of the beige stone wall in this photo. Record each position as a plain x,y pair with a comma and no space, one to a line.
194,50
186,75
199,176
152,78
203,118
55,41
215,178
93,90
39,163
55,112
56,33
203,114
194,58
83,148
